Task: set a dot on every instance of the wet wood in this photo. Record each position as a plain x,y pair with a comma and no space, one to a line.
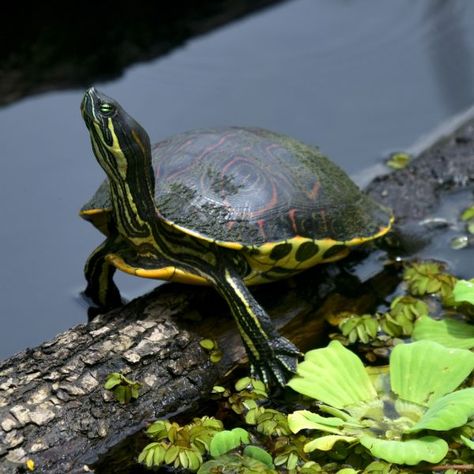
53,407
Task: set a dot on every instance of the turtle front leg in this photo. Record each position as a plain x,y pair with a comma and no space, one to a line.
99,273
272,357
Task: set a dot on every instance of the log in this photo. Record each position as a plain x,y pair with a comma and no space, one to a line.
53,407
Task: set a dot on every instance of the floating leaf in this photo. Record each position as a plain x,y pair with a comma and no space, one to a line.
334,375
235,463
407,308
468,214
468,442
218,389
448,412
259,454
459,242
411,452
216,356
307,420
326,443
226,441
179,446
268,421
464,291
398,160
251,384
152,454
359,328
424,371
448,332
208,344
428,277
311,467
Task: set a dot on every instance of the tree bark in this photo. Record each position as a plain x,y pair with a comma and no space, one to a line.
53,407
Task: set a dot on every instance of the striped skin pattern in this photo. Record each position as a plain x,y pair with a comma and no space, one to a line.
230,207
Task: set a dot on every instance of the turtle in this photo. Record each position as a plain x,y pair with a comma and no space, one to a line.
229,207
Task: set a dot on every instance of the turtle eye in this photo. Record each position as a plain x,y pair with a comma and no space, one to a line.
106,108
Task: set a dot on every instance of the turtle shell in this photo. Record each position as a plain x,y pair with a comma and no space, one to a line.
249,186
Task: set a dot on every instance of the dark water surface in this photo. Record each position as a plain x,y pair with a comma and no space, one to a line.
357,78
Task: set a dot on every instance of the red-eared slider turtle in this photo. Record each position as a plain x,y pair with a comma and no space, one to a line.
228,207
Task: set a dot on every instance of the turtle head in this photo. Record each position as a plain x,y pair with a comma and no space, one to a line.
120,143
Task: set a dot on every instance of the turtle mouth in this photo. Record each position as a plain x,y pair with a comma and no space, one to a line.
87,106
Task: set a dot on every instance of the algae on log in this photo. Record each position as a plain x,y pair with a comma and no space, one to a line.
415,190
53,407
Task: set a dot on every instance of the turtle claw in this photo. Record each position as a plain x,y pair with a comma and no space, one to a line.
276,368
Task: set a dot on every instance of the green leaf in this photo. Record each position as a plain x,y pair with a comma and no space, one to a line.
216,356
448,332
243,383
235,463
334,375
122,393
148,453
411,452
225,441
194,459
112,380
307,420
259,454
171,454
424,371
459,242
158,429
451,411
468,442
208,344
326,443
464,291
468,214
398,160
159,455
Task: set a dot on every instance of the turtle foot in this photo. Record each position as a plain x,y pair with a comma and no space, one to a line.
104,300
279,363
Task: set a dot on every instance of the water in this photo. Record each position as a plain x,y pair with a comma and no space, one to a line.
358,78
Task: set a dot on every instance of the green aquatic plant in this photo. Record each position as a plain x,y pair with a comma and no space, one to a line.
210,346
393,417
227,440
424,278
397,322
399,160
463,291
223,448
179,446
124,389
448,332
468,217
359,328
247,390
236,463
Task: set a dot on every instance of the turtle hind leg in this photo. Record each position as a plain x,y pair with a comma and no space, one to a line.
272,357
99,273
